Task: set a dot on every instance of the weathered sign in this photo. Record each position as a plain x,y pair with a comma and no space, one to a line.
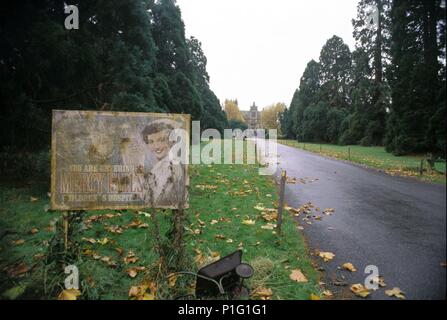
118,160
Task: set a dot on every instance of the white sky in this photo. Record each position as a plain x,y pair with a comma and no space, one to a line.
257,50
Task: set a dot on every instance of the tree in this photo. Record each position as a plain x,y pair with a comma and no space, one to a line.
415,77
270,116
371,32
232,110
335,69
236,124
307,94
126,56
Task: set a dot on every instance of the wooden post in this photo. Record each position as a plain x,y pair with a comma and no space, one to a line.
282,186
421,168
179,246
349,153
65,222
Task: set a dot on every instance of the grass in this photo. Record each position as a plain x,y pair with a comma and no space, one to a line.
376,157
222,200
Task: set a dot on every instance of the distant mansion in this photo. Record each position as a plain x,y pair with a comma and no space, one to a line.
253,117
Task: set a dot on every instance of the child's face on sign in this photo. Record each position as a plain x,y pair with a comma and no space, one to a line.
159,143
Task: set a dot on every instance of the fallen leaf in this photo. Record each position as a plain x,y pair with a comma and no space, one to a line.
314,297
199,258
140,292
327,256
132,272
33,199
90,240
298,276
328,294
130,258
269,226
349,266
114,229
249,222
172,279
38,256
18,242
396,292
134,291
69,294
17,270
109,261
137,224
262,293
360,290
382,282
103,241
148,296
34,230
147,215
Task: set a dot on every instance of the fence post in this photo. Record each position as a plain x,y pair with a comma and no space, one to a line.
282,186
421,168
349,153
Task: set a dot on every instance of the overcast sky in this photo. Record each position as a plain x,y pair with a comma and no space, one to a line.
257,49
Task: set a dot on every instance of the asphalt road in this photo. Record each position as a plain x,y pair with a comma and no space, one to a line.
397,224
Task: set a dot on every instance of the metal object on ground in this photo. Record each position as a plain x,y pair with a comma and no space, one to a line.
229,272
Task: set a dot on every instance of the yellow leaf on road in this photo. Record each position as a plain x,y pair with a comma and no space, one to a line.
396,292
328,294
327,256
314,297
360,290
349,266
298,276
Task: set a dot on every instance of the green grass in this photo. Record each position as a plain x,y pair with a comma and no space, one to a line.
376,157
221,198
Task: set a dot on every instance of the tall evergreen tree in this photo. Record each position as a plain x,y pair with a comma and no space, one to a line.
414,75
371,32
335,69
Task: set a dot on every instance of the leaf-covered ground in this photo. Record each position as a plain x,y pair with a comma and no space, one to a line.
377,157
231,207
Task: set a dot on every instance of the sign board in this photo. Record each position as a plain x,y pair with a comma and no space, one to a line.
118,160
